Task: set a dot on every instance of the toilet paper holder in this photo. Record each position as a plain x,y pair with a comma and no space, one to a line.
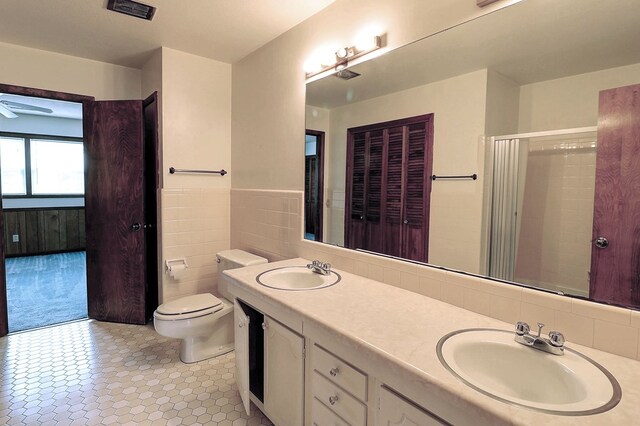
175,265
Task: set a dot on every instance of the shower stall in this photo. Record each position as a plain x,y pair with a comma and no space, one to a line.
542,208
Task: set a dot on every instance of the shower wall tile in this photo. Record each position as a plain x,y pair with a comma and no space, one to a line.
195,226
557,215
257,225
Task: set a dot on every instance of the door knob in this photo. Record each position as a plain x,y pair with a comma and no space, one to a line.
405,221
136,227
601,242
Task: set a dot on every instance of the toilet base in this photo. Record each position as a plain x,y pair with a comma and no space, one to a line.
219,342
189,356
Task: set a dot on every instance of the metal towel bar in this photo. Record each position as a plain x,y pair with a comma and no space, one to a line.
222,172
473,177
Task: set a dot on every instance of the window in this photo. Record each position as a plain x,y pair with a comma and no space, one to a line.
55,167
14,179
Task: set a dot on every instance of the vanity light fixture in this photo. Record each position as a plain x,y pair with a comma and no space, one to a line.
341,57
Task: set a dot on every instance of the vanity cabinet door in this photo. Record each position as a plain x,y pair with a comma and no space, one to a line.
395,410
241,327
283,374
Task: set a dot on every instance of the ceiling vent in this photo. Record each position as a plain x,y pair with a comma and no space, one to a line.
132,8
346,74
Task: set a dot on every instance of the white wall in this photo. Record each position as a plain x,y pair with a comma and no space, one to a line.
23,66
571,101
195,133
196,119
503,105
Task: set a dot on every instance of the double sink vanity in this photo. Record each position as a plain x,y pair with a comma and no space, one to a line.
321,347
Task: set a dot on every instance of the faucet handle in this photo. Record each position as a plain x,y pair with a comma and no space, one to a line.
556,339
522,328
326,266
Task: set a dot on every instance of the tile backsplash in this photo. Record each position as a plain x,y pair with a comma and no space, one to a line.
195,226
269,223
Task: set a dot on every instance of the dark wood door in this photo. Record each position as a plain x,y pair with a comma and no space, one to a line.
115,214
151,187
615,270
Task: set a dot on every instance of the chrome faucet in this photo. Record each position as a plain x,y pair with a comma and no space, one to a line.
553,345
320,267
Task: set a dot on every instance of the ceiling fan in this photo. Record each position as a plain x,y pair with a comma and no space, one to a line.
6,108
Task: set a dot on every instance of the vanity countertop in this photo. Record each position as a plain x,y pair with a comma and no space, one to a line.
402,328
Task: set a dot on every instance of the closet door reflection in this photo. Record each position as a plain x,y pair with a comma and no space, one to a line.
388,187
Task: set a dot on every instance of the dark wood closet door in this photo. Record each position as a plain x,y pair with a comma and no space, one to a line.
615,270
415,241
114,200
355,191
388,187
374,232
394,199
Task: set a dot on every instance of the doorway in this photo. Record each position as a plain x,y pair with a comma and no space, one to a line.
42,169
129,292
313,185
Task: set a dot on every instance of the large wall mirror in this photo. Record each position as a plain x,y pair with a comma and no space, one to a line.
525,117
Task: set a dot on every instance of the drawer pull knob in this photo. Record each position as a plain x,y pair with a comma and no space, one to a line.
334,371
333,399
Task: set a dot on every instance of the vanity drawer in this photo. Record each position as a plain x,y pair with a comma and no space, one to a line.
339,372
338,401
322,416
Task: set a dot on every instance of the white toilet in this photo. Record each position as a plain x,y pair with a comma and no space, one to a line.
203,321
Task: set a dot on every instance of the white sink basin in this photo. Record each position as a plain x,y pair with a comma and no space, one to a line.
296,278
491,362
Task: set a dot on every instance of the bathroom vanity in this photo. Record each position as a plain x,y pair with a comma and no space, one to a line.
364,353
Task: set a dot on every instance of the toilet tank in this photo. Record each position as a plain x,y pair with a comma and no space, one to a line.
231,259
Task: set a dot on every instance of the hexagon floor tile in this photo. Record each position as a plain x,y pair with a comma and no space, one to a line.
90,373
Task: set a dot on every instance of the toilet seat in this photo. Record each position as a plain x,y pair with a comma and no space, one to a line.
189,307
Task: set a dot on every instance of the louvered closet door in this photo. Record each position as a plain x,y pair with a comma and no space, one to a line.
393,208
355,191
373,227
388,187
416,220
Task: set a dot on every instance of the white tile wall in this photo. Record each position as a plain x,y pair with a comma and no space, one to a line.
268,223
557,216
195,226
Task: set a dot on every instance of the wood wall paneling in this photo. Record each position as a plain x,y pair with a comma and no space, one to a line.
43,231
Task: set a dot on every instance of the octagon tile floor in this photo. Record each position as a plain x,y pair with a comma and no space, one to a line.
90,372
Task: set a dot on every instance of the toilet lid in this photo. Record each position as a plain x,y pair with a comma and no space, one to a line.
190,304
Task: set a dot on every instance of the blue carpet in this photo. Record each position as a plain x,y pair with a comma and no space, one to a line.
46,290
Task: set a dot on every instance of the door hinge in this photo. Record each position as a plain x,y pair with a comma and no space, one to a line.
304,353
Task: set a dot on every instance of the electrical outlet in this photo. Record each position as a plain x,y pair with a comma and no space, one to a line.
16,238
